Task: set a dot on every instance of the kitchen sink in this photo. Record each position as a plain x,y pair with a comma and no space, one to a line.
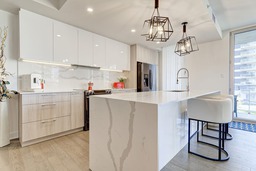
176,90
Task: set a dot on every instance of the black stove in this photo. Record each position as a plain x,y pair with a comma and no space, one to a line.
88,93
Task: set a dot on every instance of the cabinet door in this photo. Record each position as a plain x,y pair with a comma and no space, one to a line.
124,57
77,110
85,50
36,33
65,43
112,59
117,55
99,51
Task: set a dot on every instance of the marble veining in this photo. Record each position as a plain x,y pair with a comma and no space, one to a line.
109,134
129,144
128,148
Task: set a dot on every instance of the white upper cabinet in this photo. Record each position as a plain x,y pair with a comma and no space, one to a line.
36,36
99,51
146,55
85,49
45,39
65,43
111,54
117,55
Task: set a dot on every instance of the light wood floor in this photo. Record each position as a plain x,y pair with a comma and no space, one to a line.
71,153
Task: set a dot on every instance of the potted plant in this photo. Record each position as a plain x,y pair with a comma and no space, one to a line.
121,83
4,93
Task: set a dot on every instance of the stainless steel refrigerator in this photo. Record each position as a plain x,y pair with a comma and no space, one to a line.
146,77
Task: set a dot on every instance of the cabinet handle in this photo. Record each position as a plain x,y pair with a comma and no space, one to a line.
52,104
48,121
49,95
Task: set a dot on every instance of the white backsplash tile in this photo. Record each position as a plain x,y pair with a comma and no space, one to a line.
63,78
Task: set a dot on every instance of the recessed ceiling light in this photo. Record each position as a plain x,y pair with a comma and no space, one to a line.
133,30
157,42
90,9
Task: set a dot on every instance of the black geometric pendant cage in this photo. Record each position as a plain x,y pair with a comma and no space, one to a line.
158,28
187,44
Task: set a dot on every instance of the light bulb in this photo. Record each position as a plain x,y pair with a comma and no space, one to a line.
187,44
160,29
151,30
182,48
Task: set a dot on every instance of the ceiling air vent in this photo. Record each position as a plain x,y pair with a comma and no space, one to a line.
213,18
55,4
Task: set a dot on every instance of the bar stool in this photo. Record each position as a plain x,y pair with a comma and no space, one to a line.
212,110
227,136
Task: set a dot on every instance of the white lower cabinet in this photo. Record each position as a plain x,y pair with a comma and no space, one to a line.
44,128
77,110
47,115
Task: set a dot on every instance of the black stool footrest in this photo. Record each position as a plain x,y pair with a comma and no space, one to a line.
210,158
227,136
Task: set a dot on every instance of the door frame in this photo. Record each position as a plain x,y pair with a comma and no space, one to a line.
231,63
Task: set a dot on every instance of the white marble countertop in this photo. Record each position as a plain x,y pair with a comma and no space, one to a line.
157,97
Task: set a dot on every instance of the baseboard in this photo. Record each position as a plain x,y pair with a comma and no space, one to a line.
38,140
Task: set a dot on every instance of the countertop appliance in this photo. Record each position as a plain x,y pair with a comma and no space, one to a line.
146,77
31,82
87,95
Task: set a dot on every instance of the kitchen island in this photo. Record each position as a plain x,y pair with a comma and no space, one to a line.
137,131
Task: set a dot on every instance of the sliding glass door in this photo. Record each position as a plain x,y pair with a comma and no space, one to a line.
243,73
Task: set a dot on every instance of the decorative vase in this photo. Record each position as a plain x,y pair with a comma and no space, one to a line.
4,124
1,53
118,85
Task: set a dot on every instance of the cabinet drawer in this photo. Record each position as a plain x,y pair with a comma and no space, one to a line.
44,128
29,99
37,112
53,97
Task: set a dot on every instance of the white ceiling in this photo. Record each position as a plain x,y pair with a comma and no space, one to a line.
233,14
116,18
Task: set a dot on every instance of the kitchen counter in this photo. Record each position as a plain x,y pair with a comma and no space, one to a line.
47,91
138,131
125,90
157,97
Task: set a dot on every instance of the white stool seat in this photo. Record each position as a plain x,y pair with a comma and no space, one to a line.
217,110
217,96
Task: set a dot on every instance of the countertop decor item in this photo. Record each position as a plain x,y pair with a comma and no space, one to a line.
121,83
90,84
187,44
122,78
4,93
157,28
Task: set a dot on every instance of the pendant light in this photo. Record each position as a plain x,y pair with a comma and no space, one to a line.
187,44
158,28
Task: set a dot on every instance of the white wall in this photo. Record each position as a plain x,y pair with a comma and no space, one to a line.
170,64
11,54
209,67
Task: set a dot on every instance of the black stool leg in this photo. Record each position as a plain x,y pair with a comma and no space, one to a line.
219,141
223,135
197,130
189,135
